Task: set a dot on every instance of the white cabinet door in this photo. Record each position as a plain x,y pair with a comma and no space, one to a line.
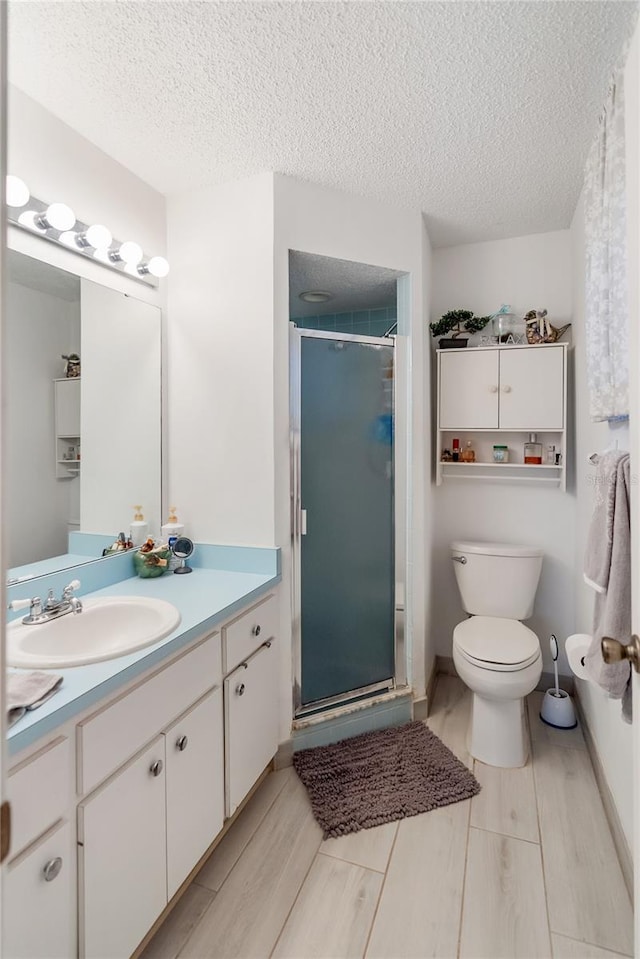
123,857
39,906
532,389
469,389
67,407
195,786
251,722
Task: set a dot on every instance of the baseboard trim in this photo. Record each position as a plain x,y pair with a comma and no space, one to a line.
284,755
444,664
610,810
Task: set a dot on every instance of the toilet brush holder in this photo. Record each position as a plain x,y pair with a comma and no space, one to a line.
557,710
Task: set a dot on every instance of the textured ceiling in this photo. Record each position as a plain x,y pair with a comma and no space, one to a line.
353,286
479,113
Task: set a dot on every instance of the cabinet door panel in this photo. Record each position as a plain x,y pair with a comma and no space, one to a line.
195,786
251,722
532,389
67,407
468,389
39,915
122,862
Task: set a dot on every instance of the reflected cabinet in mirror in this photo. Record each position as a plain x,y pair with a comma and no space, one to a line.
81,450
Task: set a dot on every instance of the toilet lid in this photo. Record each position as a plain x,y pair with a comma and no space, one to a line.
496,643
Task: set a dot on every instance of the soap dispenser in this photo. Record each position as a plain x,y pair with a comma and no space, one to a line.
172,528
139,527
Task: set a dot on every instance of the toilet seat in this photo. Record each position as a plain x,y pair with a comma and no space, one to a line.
503,645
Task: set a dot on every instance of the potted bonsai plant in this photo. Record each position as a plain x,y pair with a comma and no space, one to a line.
458,321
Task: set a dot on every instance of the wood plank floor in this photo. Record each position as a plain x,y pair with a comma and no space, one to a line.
518,871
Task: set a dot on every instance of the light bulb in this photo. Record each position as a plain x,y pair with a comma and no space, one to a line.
130,252
17,191
158,266
60,217
69,238
99,237
31,219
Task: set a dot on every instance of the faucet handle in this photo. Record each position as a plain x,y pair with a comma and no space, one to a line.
19,603
70,587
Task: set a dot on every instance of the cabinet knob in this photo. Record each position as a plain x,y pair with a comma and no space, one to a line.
51,869
240,689
493,389
506,389
156,768
181,743
257,630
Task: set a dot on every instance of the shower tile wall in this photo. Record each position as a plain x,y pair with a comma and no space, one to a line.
367,322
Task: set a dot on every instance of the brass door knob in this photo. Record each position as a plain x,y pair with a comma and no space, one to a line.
615,652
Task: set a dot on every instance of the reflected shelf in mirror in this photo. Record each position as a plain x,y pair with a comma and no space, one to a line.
118,427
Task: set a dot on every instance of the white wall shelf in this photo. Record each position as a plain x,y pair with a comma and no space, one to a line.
498,395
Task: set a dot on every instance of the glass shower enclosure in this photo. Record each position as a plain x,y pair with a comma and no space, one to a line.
342,484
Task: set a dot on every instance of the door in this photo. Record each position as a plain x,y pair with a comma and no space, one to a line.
251,722
347,580
122,862
469,389
195,786
531,388
39,901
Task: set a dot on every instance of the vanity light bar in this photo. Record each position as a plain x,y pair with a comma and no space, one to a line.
57,222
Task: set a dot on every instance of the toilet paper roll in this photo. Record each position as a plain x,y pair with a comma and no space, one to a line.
576,647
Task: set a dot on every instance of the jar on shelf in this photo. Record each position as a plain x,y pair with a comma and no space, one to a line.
500,453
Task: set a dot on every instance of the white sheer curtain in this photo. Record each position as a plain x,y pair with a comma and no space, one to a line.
607,319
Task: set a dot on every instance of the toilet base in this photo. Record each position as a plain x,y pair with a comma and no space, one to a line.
498,732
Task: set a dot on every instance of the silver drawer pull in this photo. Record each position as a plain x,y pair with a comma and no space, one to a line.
181,743
51,869
267,645
240,689
257,630
156,768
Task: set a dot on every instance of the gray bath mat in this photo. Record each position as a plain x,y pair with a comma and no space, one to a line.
381,776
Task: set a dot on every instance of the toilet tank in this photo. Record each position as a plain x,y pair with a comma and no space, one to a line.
497,579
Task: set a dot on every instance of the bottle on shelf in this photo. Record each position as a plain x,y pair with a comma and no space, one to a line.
455,450
139,527
468,454
533,450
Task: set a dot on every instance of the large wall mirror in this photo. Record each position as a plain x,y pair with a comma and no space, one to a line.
80,451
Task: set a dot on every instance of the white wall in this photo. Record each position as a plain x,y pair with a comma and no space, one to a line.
612,737
39,327
228,343
57,163
527,272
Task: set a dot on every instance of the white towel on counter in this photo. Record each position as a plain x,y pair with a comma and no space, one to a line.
607,570
27,691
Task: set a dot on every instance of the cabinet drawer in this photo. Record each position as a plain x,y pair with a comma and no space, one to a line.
243,636
39,913
39,792
108,738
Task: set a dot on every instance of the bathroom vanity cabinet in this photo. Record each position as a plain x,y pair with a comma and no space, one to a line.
115,812
498,395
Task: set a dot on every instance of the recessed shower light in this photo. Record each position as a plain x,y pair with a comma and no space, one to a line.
315,296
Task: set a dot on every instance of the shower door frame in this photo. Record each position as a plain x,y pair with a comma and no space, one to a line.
399,679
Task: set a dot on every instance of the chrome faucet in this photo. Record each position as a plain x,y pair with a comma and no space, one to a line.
53,608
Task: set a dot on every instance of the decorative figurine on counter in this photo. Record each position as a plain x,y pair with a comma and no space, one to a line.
540,329
72,367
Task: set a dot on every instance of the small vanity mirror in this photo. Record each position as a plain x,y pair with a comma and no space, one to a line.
81,449
183,548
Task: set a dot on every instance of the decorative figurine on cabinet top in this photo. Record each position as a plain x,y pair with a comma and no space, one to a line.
540,329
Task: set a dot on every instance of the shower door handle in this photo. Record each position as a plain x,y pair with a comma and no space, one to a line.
303,522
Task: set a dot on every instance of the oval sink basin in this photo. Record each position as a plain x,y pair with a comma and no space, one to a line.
106,628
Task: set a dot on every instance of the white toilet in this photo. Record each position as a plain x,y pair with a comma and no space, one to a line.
497,657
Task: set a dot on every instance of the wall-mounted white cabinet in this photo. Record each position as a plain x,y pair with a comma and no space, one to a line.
497,395
67,426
